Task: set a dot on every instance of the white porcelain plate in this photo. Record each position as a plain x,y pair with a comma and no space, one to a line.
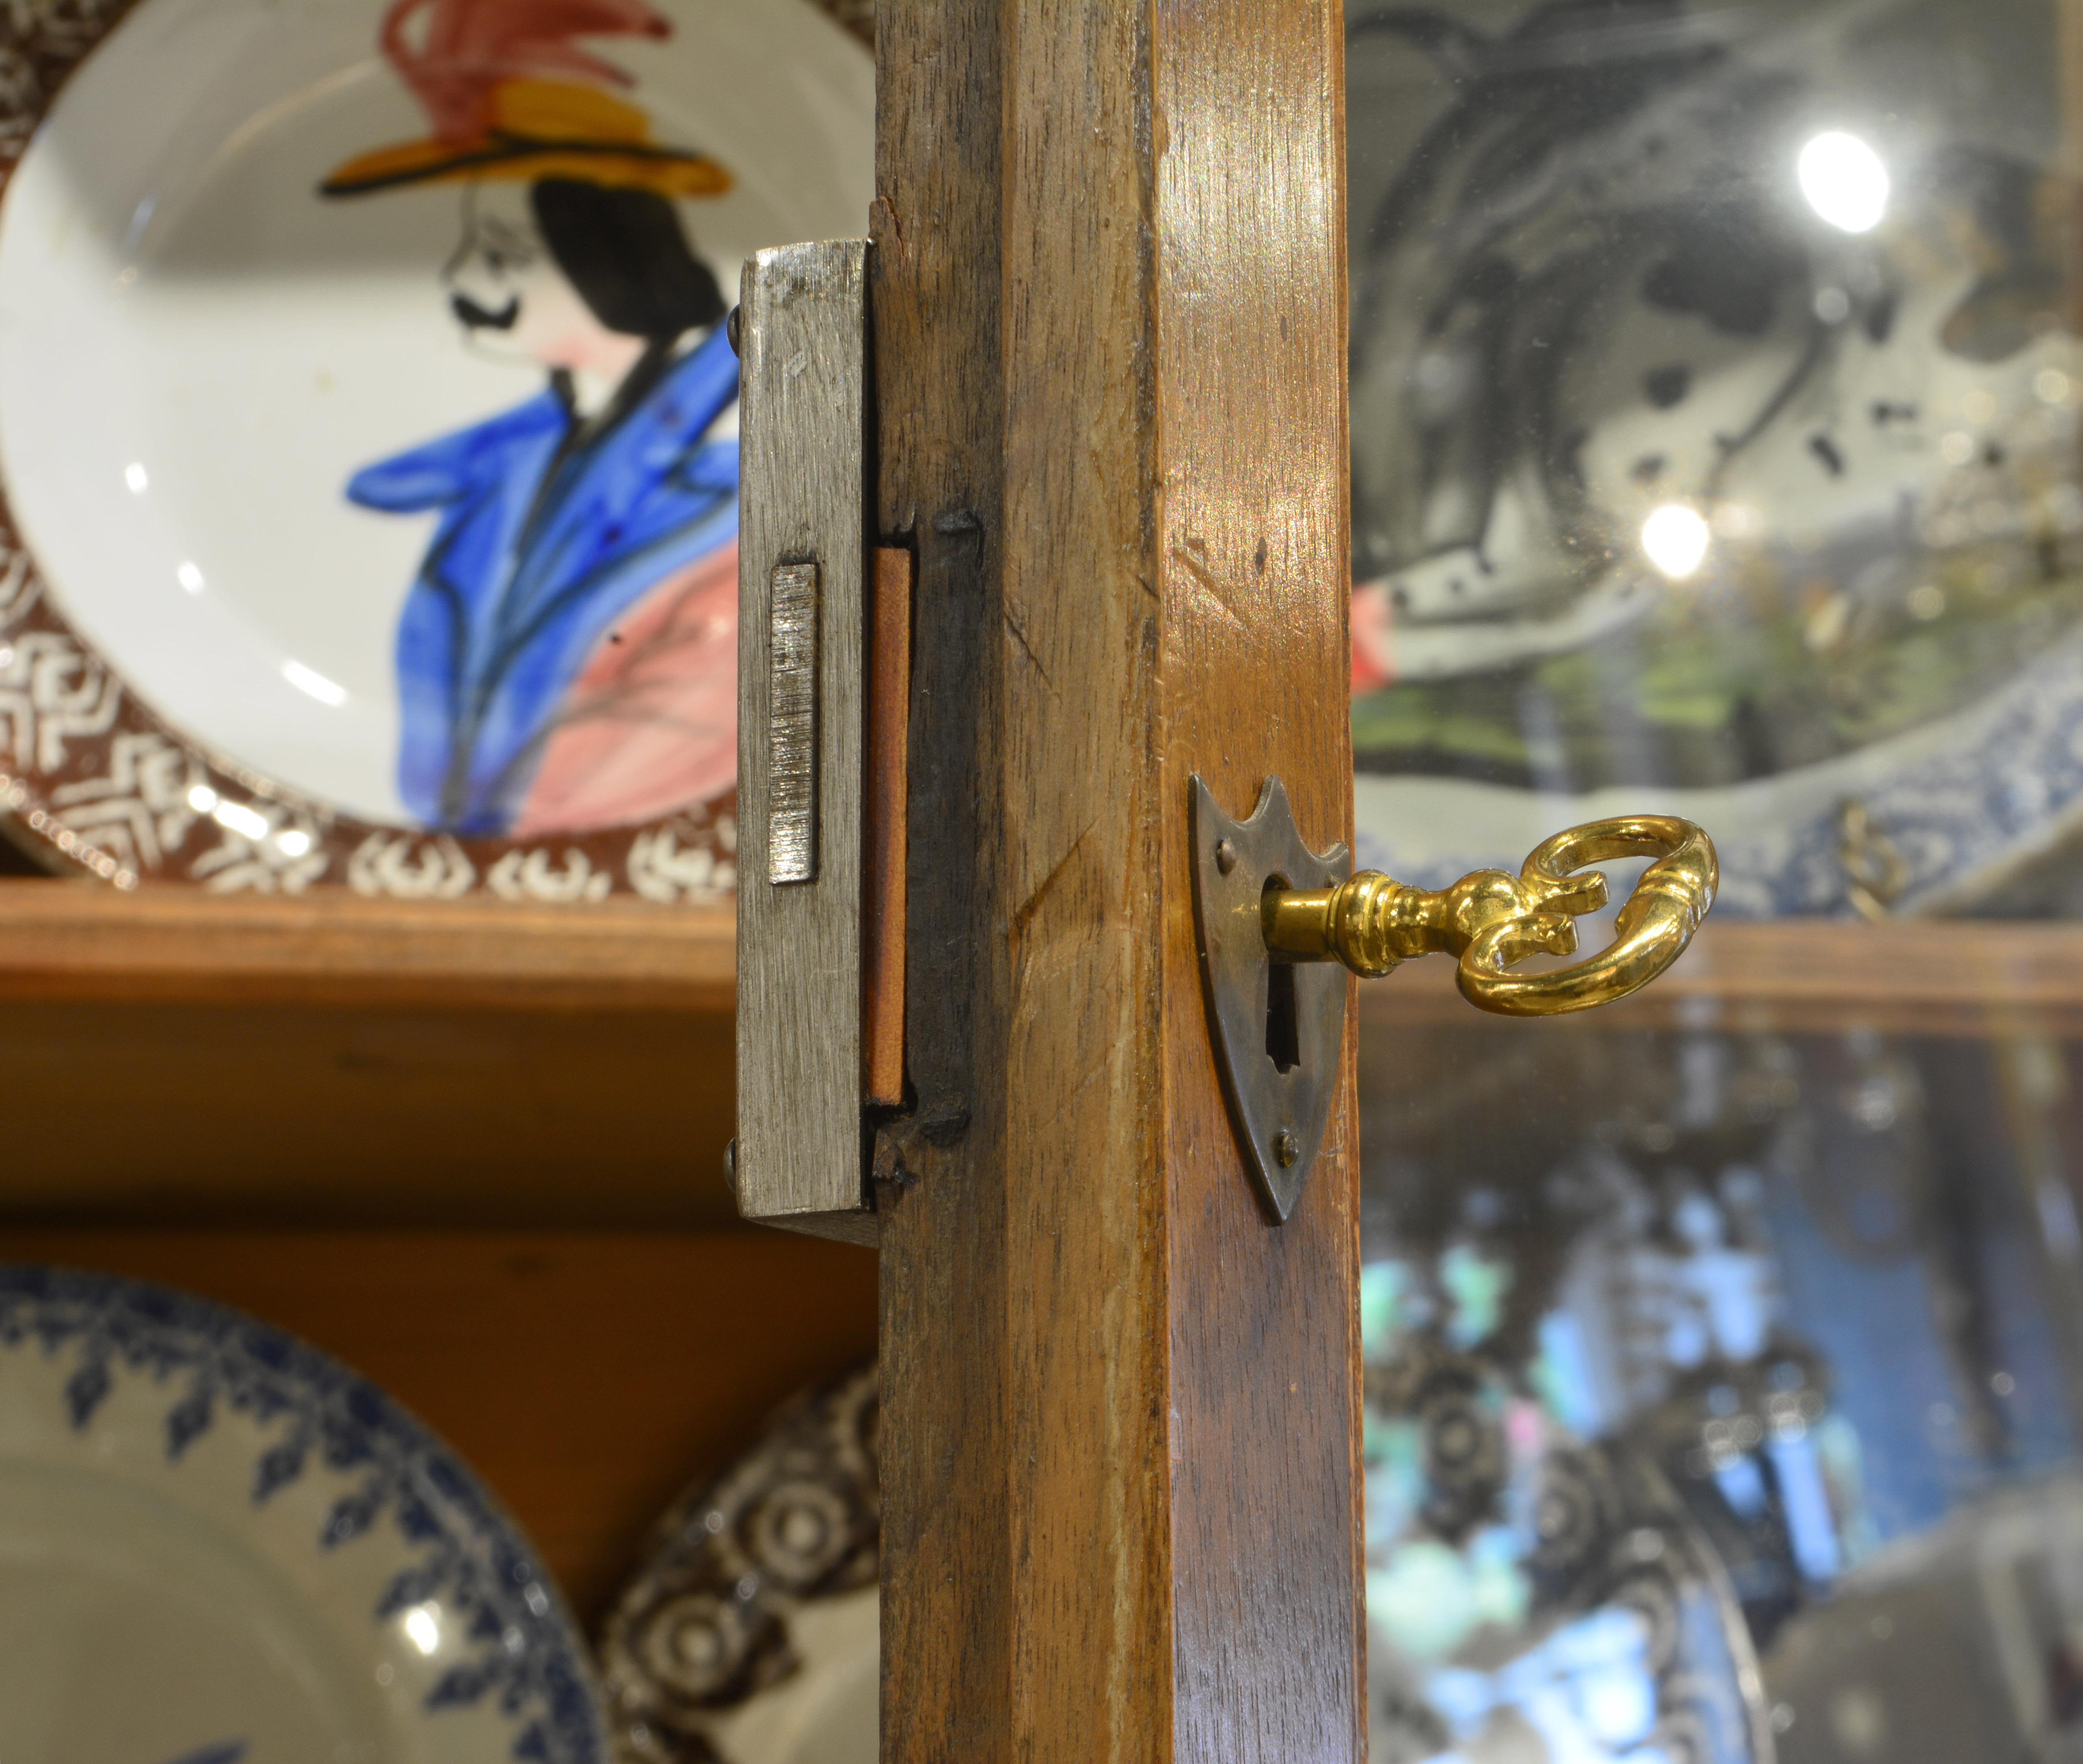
369,428
218,1546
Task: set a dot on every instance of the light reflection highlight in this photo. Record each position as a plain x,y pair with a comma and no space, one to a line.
313,684
1845,180
1675,538
236,817
422,1625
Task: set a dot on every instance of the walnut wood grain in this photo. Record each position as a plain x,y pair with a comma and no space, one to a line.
946,1318
1119,1472
1269,1620
587,1376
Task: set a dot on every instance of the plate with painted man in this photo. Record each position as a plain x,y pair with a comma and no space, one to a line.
368,428
1715,394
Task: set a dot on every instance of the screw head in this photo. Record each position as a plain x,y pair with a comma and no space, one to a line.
1225,856
1287,1148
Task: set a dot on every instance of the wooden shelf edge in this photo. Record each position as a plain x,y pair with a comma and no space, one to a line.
79,941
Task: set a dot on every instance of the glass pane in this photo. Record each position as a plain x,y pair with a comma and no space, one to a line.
1715,398
1722,1399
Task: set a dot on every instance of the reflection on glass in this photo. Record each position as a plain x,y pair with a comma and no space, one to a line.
1675,538
1846,184
1716,401
1714,419
1726,1407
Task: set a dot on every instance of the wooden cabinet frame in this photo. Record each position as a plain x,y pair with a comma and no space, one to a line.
1120,1418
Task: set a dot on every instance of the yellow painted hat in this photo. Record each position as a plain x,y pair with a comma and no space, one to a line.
534,129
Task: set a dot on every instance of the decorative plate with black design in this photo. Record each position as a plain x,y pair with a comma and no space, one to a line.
749,1633
368,428
218,1546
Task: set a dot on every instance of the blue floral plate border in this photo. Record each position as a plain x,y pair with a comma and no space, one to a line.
1961,803
525,1656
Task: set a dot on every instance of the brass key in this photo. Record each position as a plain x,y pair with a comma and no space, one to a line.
1491,919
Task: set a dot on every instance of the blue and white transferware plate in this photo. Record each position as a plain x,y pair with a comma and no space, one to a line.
219,1546
1715,406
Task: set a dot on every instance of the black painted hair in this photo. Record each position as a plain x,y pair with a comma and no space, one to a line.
626,254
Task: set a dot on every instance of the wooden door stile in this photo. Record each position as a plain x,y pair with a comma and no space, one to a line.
1120,1468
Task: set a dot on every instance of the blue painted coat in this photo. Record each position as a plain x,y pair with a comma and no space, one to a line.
539,547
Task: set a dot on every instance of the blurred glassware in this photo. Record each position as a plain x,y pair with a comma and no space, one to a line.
1690,1396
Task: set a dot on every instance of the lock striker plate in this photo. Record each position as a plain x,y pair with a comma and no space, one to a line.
1278,1026
805,601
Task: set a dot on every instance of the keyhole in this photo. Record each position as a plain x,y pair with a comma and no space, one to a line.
1283,1035
1283,1041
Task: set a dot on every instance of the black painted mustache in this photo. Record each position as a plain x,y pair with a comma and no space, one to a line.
482,319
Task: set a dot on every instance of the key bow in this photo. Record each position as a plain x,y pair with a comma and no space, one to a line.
1492,920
